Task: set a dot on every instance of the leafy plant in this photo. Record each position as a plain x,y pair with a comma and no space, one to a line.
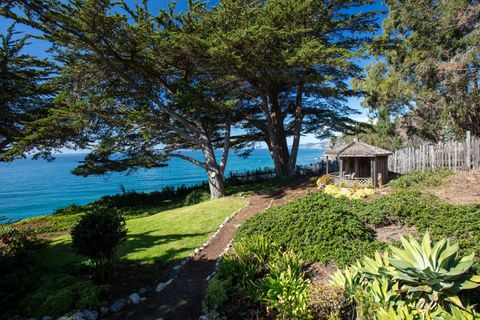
14,241
216,294
61,293
326,302
435,274
325,180
196,196
422,277
420,179
284,290
97,236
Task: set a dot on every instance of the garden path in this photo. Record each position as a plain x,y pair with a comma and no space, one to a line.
182,300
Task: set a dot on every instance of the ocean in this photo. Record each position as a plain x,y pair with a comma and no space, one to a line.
30,188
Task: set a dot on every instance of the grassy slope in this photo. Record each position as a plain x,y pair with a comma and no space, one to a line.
163,237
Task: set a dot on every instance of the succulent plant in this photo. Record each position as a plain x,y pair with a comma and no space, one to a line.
433,273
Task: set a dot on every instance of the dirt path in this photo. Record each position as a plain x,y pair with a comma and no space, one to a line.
182,300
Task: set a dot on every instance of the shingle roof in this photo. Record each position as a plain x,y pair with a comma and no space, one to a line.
357,149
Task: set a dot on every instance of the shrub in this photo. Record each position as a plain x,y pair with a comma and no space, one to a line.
215,295
97,236
317,227
326,302
420,179
14,241
324,180
284,290
58,294
419,276
196,196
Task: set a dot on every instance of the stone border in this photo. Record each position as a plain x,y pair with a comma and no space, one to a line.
143,294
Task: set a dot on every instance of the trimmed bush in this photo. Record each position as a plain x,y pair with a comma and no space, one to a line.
317,227
97,236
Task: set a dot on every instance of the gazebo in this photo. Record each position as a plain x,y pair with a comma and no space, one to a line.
361,163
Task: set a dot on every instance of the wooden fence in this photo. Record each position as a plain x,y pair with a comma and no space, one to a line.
453,155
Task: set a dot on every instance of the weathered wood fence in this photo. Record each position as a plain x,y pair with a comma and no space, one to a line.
453,155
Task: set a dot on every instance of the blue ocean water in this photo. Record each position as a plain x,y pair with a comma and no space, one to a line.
30,188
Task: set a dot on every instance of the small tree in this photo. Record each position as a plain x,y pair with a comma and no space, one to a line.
97,236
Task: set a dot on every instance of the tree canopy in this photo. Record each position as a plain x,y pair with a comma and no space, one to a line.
290,62
25,93
431,50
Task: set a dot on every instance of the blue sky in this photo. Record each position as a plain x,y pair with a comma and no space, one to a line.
38,47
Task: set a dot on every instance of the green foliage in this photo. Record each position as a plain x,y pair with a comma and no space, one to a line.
326,302
422,277
61,293
15,241
257,270
195,197
420,179
324,180
216,294
24,89
97,236
317,227
284,290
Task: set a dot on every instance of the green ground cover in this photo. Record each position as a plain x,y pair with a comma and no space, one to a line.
322,228
52,274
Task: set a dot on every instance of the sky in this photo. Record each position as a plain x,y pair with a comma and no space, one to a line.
39,48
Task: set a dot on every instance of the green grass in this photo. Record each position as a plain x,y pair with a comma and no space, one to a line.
167,236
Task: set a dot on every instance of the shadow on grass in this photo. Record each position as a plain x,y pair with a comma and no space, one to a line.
139,242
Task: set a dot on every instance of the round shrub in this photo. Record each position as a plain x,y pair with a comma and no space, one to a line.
97,236
317,227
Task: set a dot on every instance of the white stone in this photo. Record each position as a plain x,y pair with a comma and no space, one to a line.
134,298
163,285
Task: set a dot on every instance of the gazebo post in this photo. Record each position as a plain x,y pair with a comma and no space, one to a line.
375,170
341,167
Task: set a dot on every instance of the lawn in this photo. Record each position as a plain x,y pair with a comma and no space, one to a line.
166,236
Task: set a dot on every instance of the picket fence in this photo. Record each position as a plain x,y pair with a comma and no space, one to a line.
452,155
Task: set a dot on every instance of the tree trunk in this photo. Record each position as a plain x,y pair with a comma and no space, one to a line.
277,143
292,161
214,172
216,184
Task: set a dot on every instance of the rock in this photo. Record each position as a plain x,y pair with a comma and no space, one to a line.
134,298
203,317
175,271
143,299
90,314
163,285
47,318
78,316
104,311
118,305
65,317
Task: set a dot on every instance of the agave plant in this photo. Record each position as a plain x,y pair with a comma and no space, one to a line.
435,274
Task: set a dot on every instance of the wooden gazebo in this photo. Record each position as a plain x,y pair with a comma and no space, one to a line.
360,162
